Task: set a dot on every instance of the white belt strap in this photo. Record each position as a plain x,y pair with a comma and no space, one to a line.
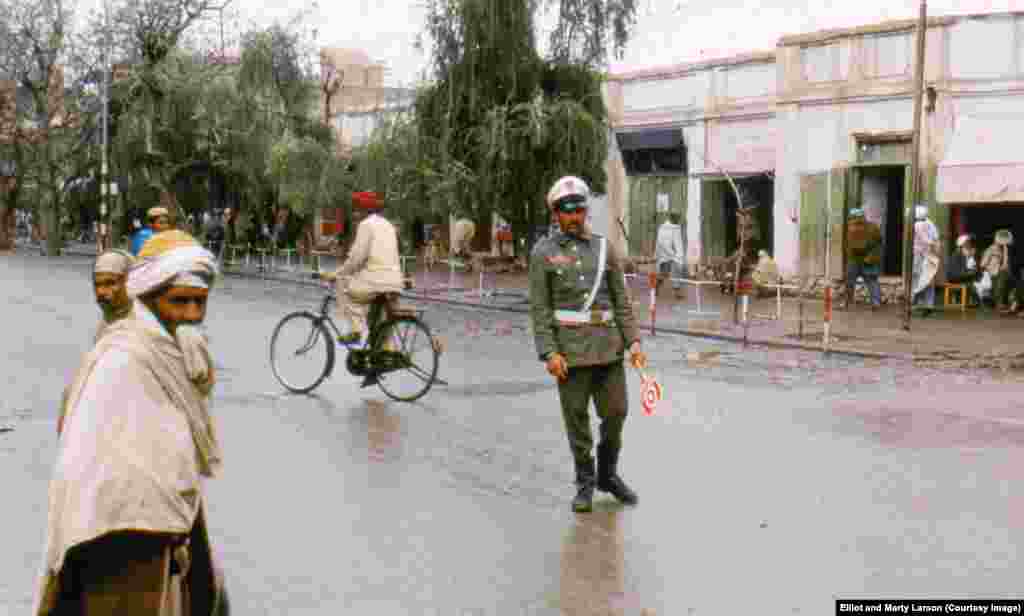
602,257
583,317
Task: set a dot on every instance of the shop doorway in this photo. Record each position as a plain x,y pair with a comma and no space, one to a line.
882,196
758,191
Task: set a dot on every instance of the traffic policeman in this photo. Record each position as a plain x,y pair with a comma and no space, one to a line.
583,322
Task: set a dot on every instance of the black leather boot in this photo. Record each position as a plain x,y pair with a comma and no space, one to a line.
608,479
584,501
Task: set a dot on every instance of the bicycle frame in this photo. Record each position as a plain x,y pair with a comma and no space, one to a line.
326,317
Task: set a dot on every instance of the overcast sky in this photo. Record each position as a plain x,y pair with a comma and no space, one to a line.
667,31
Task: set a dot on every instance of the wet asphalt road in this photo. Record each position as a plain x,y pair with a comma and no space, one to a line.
769,481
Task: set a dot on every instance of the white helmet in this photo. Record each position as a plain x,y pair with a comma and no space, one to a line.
569,187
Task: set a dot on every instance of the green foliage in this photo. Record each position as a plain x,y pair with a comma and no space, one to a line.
237,135
307,173
586,29
500,124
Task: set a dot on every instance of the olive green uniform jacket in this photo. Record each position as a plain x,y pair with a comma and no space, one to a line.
562,272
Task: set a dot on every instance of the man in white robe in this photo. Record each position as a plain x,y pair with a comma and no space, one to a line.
126,534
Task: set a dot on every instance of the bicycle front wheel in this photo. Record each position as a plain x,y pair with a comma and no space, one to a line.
406,358
301,352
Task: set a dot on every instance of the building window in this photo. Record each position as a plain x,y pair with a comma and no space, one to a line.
888,55
818,63
653,152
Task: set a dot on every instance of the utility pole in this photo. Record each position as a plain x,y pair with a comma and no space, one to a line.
915,170
105,228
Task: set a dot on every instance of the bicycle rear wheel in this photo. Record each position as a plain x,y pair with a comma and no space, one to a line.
406,357
301,352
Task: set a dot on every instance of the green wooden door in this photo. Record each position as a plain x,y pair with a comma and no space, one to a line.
644,217
712,219
814,222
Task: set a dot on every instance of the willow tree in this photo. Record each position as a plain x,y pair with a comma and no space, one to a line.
300,172
43,53
509,119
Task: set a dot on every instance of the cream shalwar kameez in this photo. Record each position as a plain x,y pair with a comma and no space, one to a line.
372,268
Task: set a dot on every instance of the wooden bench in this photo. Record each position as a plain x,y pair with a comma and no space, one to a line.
949,288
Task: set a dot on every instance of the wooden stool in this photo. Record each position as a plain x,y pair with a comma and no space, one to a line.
950,288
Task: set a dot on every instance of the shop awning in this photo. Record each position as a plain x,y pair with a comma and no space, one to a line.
652,139
984,161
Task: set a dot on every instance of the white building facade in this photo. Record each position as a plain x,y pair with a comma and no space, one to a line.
819,125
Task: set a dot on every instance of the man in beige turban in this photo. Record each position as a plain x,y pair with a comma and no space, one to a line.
126,531
108,279
159,219
997,262
108,282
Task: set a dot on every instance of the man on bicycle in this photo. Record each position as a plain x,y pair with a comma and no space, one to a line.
372,268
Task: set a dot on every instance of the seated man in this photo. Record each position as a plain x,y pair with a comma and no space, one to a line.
996,263
372,267
765,274
963,269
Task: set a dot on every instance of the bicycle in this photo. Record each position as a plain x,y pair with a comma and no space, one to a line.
389,359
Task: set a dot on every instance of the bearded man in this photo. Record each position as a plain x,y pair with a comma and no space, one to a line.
108,279
126,533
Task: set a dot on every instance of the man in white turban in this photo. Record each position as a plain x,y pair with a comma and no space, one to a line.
126,531
963,269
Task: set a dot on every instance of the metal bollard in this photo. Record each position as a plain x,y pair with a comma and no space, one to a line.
828,318
778,300
652,282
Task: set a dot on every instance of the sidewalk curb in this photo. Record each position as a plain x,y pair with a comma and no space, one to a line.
693,333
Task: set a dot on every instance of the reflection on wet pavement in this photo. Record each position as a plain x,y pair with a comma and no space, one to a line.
383,431
592,578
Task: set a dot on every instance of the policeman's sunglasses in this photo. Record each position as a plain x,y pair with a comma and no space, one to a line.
570,205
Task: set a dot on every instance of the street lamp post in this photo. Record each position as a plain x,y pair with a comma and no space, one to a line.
105,230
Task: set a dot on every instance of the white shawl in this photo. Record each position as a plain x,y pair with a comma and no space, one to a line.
136,440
